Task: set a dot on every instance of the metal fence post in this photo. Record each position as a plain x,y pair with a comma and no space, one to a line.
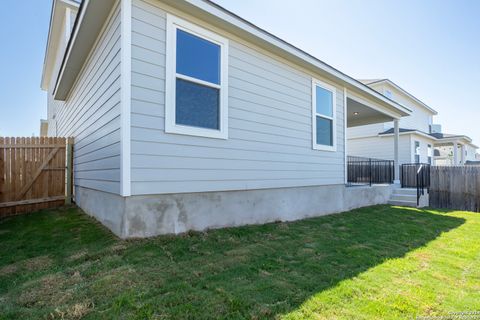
370,166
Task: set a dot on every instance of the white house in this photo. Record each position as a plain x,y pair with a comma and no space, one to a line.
455,150
187,117
421,141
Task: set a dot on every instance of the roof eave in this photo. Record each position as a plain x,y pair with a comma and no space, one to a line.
91,18
423,134
231,22
47,60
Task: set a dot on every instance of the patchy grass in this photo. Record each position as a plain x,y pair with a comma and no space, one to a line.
378,262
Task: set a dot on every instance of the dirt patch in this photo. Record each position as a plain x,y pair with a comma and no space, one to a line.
8,269
77,256
76,311
50,290
44,291
423,259
359,246
118,248
114,281
238,252
37,263
283,226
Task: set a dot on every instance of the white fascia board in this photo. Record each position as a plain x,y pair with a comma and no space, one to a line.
56,18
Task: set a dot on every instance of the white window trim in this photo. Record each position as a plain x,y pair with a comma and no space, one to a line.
333,90
174,23
415,154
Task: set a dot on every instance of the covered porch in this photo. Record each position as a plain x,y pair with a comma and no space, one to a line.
361,111
450,149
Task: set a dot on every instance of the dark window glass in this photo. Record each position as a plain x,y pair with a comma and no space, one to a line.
197,105
197,57
324,132
324,102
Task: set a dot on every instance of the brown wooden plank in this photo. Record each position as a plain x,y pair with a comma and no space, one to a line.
13,169
44,181
38,171
31,201
7,191
31,146
2,170
34,189
20,161
51,176
28,163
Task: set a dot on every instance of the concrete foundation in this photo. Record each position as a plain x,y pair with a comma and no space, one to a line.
146,216
424,200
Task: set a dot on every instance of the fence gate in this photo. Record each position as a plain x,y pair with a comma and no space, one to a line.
35,173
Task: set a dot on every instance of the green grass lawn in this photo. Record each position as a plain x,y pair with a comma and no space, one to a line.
380,262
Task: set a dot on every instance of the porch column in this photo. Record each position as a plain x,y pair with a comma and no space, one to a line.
462,156
455,154
396,137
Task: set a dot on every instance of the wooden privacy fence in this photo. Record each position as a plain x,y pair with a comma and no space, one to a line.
455,188
35,173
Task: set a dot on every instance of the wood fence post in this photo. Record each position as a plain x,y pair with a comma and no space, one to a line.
68,189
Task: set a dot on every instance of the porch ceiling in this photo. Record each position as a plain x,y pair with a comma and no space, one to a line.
360,114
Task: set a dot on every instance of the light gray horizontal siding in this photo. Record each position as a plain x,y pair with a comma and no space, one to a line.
270,134
91,114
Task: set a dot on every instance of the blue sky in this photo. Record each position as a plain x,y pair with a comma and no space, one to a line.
431,48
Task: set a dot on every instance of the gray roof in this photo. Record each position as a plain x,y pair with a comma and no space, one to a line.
436,135
390,131
472,163
439,135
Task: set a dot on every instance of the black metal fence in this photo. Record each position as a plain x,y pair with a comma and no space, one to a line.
368,171
408,175
416,175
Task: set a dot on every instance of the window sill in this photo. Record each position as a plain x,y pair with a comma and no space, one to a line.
197,132
324,148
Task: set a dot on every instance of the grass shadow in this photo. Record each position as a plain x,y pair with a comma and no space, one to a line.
247,272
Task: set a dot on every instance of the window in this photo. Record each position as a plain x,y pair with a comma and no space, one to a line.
323,116
417,152
388,94
197,81
429,154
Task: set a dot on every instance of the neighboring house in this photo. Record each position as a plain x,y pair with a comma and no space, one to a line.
420,141
445,155
187,117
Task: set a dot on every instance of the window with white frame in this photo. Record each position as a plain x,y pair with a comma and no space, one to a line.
417,151
196,81
323,116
